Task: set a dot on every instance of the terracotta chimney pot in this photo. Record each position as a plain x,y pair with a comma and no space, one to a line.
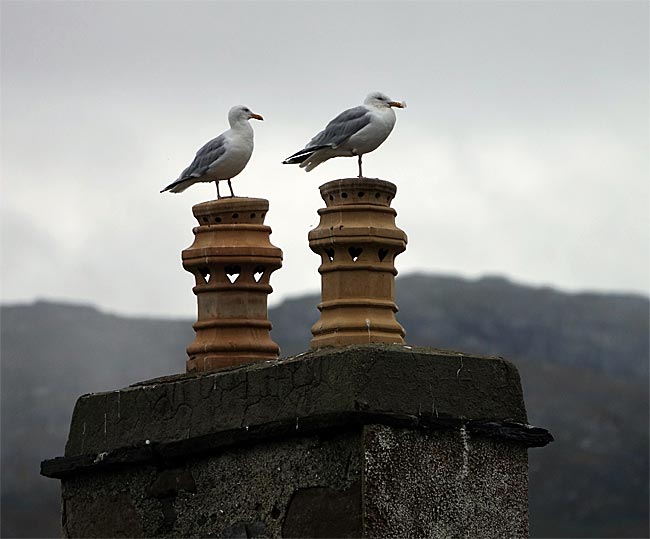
357,240
231,259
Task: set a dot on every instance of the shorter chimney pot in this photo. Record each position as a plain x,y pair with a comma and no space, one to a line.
231,259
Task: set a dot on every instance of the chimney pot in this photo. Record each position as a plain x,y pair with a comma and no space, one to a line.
231,259
357,240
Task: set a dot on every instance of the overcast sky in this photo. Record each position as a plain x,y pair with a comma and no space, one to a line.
523,152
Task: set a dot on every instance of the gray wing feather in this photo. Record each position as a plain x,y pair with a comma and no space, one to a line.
205,157
342,127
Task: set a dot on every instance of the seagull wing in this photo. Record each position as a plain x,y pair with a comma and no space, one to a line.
342,128
335,133
205,159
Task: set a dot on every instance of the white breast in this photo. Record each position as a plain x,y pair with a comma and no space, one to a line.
370,137
239,148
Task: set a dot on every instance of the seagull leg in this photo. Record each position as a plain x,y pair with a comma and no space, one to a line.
360,173
217,184
231,193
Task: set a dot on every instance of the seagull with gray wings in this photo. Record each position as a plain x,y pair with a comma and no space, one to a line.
355,131
223,157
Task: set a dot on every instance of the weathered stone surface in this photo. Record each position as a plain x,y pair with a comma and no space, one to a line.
170,482
369,481
243,492
365,441
324,512
111,515
443,484
328,386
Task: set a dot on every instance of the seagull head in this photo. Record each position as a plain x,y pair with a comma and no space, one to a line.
241,113
377,99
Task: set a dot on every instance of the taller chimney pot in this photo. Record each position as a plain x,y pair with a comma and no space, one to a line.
357,240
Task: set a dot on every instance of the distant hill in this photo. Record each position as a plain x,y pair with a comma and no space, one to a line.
583,359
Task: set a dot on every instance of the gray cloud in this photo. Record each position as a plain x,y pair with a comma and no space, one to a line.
524,149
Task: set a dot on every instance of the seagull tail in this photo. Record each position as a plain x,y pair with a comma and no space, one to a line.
314,161
179,185
322,154
303,155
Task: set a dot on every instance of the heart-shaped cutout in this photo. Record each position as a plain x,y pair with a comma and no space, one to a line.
355,253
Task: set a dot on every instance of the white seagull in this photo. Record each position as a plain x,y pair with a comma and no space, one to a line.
355,131
223,157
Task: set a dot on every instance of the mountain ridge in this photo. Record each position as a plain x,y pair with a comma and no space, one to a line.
583,360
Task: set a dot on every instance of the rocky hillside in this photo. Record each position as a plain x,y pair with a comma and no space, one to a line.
583,360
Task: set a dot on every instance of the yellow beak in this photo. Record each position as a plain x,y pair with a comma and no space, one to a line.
256,116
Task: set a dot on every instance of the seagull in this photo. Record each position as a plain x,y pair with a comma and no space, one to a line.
223,157
355,131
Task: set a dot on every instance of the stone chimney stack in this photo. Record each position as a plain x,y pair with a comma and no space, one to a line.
232,260
363,436
357,241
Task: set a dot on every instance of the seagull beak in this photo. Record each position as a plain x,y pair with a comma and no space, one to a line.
397,104
256,116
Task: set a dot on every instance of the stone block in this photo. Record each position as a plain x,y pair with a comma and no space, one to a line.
363,441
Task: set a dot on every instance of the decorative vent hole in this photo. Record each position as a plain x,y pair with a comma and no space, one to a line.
253,215
382,254
344,195
232,273
258,273
377,195
355,253
330,253
205,219
205,273
331,197
360,194
235,216
217,219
